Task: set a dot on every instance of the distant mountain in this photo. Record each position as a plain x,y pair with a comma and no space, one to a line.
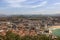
34,15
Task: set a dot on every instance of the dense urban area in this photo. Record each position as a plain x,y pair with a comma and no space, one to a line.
28,27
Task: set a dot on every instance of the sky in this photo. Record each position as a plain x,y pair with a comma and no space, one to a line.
16,7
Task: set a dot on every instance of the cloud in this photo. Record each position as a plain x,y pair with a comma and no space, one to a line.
25,3
42,4
54,6
14,3
35,6
56,3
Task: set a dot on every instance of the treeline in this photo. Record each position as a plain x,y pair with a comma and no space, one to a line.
11,36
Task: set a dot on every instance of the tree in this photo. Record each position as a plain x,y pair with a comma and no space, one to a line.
11,36
2,37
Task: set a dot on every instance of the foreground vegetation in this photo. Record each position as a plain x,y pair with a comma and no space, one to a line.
12,36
